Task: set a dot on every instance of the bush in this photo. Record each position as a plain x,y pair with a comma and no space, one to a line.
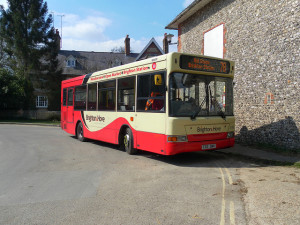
12,90
54,117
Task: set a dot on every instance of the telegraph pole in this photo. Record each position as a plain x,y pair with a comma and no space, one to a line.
52,13
61,34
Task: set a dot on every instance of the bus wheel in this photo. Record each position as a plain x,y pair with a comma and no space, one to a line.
79,132
128,142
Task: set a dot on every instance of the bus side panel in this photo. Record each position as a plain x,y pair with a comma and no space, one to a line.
151,128
151,142
67,112
107,133
147,141
71,127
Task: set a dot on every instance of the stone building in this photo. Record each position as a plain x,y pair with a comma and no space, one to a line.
263,38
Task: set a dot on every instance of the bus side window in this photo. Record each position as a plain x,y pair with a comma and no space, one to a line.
107,96
64,96
80,98
151,94
70,97
126,94
92,97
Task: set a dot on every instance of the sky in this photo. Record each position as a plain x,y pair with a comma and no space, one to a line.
101,25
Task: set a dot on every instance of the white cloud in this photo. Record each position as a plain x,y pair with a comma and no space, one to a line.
87,45
4,3
103,46
186,3
90,28
89,34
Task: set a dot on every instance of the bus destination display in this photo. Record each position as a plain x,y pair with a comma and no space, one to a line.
204,64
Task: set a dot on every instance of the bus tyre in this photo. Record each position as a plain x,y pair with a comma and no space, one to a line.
128,142
79,132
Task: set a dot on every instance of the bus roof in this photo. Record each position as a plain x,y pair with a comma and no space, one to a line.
158,63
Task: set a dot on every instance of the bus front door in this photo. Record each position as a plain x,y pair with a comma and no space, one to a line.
70,106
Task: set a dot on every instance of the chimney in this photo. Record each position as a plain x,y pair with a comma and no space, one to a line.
165,44
57,39
127,45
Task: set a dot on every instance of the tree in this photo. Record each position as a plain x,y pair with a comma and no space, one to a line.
31,45
52,74
119,49
12,92
2,52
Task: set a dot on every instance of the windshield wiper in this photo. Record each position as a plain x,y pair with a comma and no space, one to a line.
195,113
220,112
216,103
193,116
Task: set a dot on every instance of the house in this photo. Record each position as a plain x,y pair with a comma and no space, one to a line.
263,38
152,49
76,63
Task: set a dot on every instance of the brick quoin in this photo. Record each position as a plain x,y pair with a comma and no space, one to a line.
179,38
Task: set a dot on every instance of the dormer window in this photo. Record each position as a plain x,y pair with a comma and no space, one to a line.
71,62
116,62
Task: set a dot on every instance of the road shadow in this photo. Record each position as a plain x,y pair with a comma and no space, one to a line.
210,159
205,159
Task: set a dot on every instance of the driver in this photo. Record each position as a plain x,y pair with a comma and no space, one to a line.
154,104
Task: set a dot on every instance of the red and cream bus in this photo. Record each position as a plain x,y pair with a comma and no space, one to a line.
169,104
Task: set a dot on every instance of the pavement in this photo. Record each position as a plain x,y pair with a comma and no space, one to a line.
238,149
37,124
261,154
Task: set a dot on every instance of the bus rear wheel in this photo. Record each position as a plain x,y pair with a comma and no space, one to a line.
79,132
128,142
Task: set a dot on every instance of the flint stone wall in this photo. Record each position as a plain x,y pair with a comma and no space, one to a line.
263,38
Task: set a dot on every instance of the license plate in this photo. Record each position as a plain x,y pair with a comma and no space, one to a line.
211,146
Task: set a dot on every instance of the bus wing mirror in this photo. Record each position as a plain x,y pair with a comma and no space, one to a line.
187,80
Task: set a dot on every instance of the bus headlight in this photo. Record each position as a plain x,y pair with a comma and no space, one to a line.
230,134
177,138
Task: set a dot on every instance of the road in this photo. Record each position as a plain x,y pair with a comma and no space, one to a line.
49,177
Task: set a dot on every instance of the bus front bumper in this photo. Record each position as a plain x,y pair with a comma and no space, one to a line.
173,148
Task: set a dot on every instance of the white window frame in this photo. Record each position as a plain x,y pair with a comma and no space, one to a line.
71,63
214,41
41,102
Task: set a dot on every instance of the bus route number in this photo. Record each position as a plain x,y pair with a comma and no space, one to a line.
223,67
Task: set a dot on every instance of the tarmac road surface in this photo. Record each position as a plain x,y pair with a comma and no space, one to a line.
49,177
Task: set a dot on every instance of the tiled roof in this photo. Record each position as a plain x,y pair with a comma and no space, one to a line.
87,62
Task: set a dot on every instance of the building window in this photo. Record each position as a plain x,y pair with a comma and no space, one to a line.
71,63
213,44
115,62
41,102
269,98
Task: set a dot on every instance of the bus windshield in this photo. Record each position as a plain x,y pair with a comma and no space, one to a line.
193,95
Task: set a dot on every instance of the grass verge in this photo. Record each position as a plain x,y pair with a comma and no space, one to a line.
29,121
